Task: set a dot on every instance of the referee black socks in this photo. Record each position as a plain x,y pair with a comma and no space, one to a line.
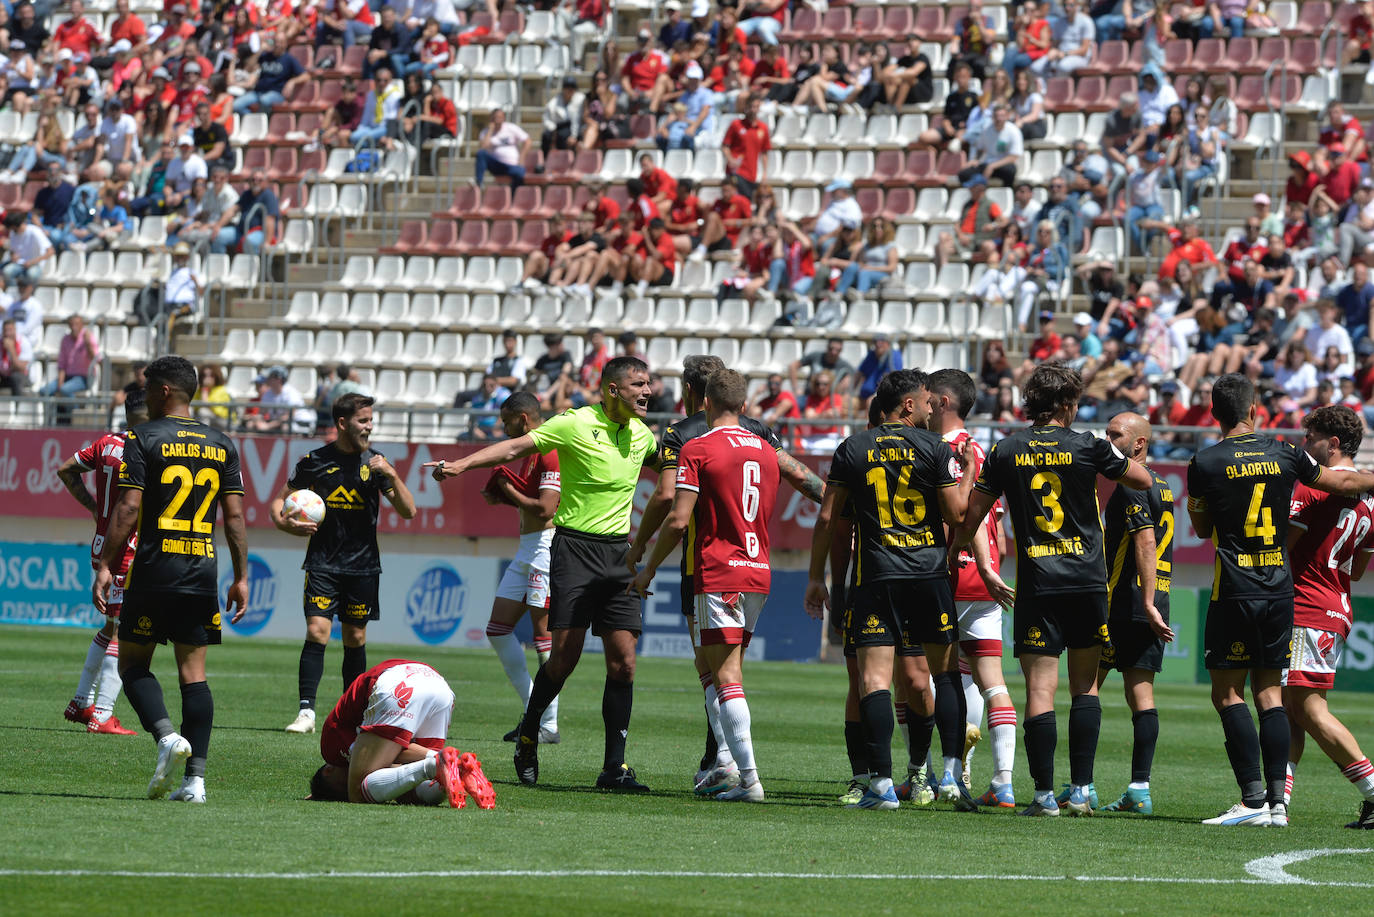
1042,735
1085,723
542,693
951,712
875,710
354,664
197,720
617,700
310,673
1243,748
145,696
1145,724
1273,740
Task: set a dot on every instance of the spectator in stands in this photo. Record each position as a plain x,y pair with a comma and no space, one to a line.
502,149
1168,412
774,405
283,407
674,29
183,288
1061,211
540,261
631,346
1105,391
1190,247
438,117
217,396
976,231
1004,283
1295,374
16,353
211,139
1206,147
875,263
1251,293
997,151
1156,96
1276,266
489,397
1355,301
832,83
278,77
1356,232
1302,178
621,242
111,221
1028,107
29,248
1074,40
822,403
1123,135
795,271
602,117
1329,333
661,398
1031,36
348,22
909,77
763,20
841,213
341,119
698,115
77,353
388,41
751,273
119,133
770,72
258,213
576,260
641,70
656,259
52,204
182,172
1086,330
1044,347
721,227
552,379
974,36
562,118
88,143
746,145
1338,175
881,359
1046,269
828,360
206,213
379,124
594,359
1146,210
1359,36
508,369
992,372
960,102
49,145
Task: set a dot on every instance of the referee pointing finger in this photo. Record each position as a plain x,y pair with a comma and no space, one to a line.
601,449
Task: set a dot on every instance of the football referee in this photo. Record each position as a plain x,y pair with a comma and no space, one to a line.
601,449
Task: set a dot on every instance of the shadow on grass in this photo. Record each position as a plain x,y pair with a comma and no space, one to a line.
64,795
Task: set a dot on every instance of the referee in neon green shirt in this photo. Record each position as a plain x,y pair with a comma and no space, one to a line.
601,449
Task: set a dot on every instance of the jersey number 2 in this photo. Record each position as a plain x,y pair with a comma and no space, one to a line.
180,475
1348,525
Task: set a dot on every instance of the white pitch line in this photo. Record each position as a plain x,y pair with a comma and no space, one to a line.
663,874
1273,869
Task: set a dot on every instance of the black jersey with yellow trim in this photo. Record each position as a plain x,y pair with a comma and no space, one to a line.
893,474
346,540
1130,511
1245,485
684,431
1048,475
183,468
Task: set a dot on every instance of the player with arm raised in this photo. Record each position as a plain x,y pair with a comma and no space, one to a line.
717,770
727,483
384,741
601,450
1048,475
978,594
343,565
1139,536
1239,494
1330,541
525,584
98,687
899,478
177,473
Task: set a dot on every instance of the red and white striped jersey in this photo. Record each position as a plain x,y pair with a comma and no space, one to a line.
735,474
104,456
1334,530
968,585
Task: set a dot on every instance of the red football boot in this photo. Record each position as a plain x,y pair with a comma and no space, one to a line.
77,713
476,782
448,773
110,727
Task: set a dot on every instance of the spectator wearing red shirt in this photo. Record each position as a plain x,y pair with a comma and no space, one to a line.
1302,179
77,34
821,402
607,209
1169,412
725,31
684,218
1048,342
439,118
595,360
1338,174
653,265
658,184
127,26
1251,245
771,70
1343,129
641,69
1199,415
622,241
538,263
1191,248
776,404
642,206
724,220
1359,37
746,147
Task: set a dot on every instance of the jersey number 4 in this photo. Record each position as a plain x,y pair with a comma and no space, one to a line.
907,507
1259,519
180,475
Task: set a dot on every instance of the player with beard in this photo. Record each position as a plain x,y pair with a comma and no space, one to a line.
343,564
601,450
899,478
718,771
1330,541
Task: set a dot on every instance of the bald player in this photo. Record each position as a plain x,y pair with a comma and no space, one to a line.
1139,537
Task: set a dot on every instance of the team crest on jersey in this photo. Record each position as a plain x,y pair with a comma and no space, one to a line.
145,625
403,693
344,498
364,472
872,625
1034,637
1238,653
1033,633
944,619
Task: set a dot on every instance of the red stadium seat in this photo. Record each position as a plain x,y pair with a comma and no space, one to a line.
314,161
1313,17
1207,57
898,202
413,239
472,237
870,201
505,238
532,235
1177,56
443,237
898,22
1111,57
495,202
524,201
834,24
466,200
1305,54
556,199
919,168
950,163
1090,94
278,126
803,21
283,166
868,23
930,24
887,165
1059,94
1273,49
1241,56
558,167
587,164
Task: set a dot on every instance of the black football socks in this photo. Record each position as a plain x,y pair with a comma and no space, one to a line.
310,672
145,696
1085,723
197,720
1243,748
617,700
1042,735
876,712
1145,724
354,664
1274,739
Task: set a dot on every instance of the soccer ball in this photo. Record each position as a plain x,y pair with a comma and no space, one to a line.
306,504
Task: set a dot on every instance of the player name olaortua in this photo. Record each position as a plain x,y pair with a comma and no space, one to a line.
1252,469
1031,459
195,450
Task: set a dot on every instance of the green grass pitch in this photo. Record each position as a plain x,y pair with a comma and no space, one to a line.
73,802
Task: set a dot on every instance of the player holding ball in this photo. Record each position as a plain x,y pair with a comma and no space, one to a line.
343,565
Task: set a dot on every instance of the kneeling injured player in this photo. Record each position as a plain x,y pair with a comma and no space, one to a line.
384,741
727,483
1330,540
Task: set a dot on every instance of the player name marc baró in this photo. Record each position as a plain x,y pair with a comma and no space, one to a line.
1055,548
1253,469
1024,459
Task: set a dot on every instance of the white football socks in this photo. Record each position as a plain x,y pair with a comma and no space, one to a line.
974,699
107,688
388,783
431,793
723,756
90,669
1002,725
549,720
735,722
512,656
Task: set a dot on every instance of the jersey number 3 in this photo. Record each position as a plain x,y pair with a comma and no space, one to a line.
180,475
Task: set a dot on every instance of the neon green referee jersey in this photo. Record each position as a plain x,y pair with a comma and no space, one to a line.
599,463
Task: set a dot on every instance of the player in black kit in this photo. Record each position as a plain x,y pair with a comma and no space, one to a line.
1140,551
1048,474
717,771
1238,495
342,564
903,493
176,473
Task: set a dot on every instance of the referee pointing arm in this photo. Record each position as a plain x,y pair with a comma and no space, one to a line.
601,449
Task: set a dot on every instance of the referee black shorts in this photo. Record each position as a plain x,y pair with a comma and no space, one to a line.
588,583
1048,625
156,617
1244,633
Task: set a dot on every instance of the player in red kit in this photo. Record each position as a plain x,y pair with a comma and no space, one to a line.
726,486
1330,541
99,684
384,741
979,594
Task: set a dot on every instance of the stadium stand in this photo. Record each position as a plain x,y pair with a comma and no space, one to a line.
941,176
